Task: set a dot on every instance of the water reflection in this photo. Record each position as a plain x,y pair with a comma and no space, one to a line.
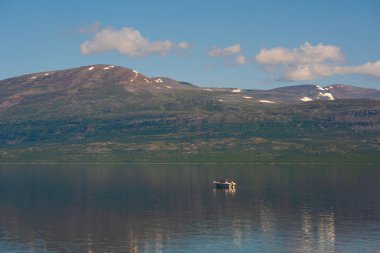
228,191
267,219
172,209
307,230
326,232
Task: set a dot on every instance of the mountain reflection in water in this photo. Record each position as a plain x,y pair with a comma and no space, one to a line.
167,208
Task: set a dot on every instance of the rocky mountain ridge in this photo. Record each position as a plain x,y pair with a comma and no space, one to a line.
70,82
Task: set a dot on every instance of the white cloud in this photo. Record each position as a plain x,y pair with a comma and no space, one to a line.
127,41
232,54
305,54
240,60
310,62
228,51
313,71
183,45
369,68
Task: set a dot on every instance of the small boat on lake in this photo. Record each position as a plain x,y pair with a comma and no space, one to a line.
224,184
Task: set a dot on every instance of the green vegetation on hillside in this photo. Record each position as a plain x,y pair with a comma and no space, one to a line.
79,118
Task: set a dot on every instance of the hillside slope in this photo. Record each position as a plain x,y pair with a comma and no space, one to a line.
105,113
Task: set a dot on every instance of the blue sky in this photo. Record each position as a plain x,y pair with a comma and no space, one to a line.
223,42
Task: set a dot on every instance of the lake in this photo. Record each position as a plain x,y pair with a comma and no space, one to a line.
174,208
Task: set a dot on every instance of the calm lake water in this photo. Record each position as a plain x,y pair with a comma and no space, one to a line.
174,208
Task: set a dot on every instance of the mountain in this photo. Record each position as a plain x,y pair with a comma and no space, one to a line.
311,92
106,113
84,83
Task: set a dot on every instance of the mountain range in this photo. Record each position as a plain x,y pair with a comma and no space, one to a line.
106,113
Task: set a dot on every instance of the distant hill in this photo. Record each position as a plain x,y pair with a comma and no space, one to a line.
105,113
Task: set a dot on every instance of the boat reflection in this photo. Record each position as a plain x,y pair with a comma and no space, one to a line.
227,191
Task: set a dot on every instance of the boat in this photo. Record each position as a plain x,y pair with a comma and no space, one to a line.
224,184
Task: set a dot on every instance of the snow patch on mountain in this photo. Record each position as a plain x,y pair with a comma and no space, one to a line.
327,94
319,87
236,90
306,99
266,101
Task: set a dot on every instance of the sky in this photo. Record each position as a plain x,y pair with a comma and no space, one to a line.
245,44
